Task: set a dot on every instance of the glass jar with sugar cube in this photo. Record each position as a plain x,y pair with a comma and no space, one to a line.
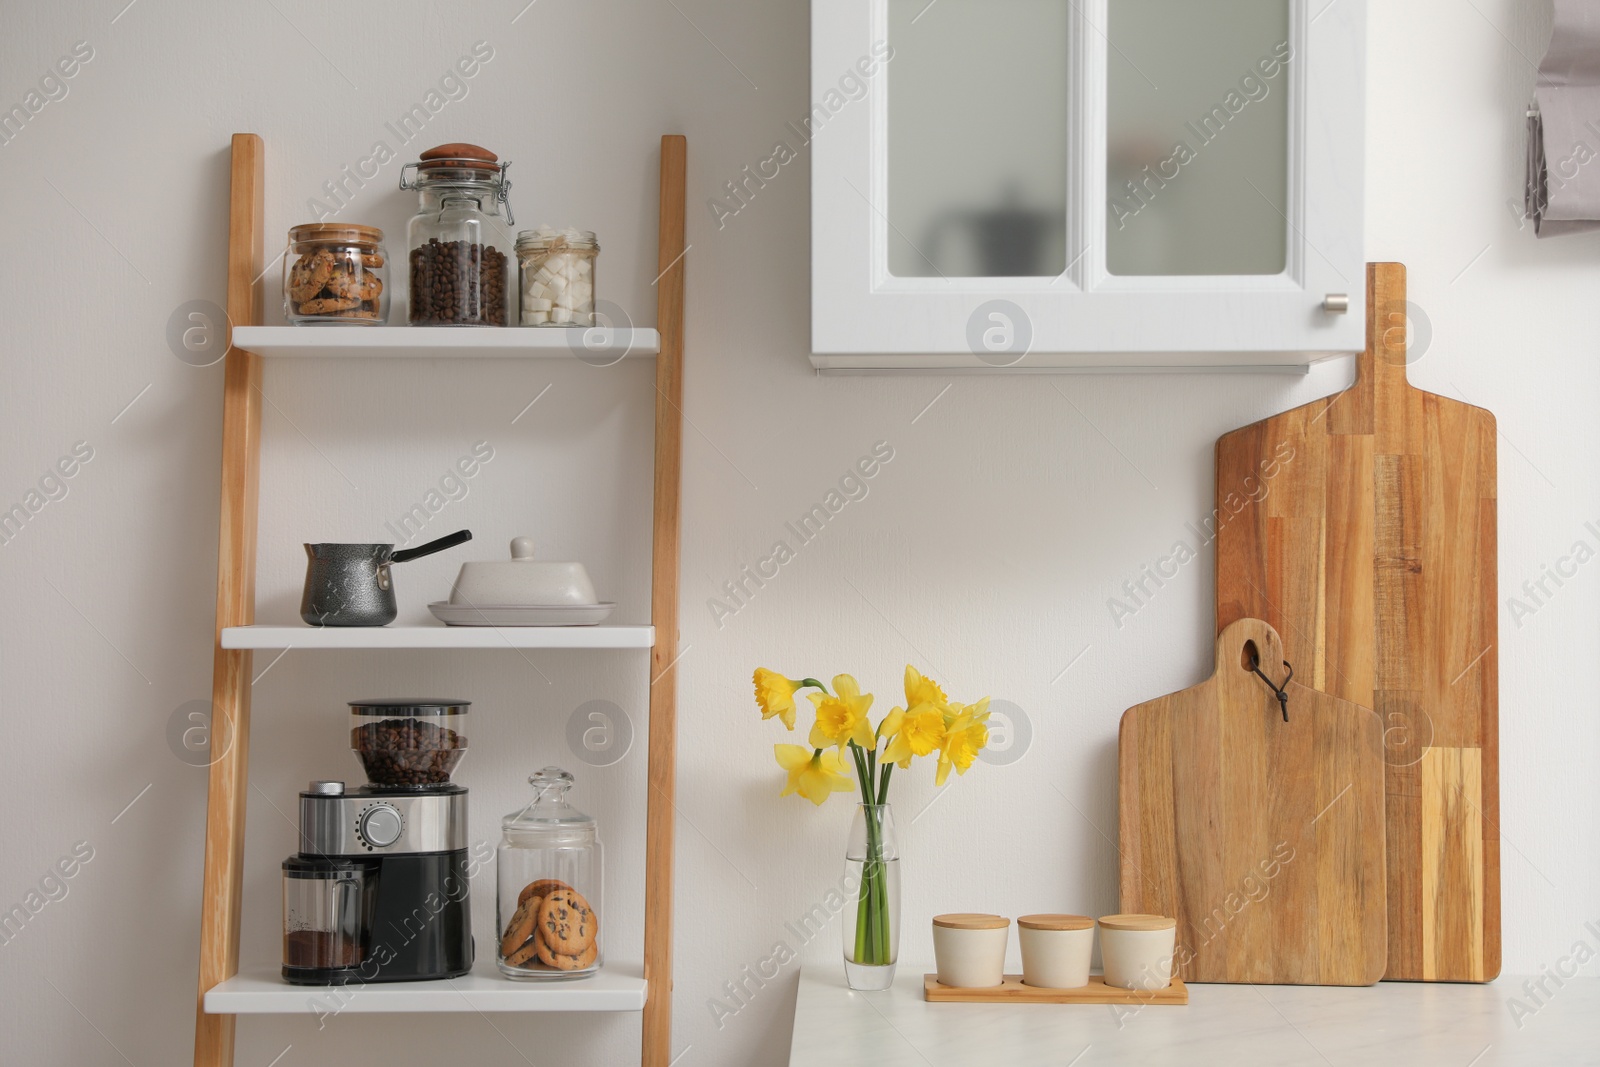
557,269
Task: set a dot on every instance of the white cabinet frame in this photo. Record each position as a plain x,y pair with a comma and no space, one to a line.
865,319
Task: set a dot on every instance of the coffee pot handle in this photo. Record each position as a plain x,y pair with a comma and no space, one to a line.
406,554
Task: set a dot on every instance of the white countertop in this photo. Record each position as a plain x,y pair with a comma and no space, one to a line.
1398,1023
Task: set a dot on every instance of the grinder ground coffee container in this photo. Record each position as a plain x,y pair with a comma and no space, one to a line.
379,889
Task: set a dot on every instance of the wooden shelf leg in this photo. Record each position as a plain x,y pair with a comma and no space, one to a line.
236,598
656,1043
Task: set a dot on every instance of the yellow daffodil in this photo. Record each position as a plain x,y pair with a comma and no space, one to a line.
911,733
842,717
923,690
889,729
965,734
814,775
775,694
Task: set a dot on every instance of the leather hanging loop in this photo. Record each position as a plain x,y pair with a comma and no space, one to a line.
1279,691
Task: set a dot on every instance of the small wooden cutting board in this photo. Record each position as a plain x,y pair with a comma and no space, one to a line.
1262,838
1365,532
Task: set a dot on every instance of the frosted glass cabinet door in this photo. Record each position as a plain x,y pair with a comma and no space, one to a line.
1052,184
1197,137
977,166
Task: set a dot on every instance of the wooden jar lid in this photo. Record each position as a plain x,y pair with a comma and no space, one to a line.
1137,922
968,920
336,233
1055,922
459,154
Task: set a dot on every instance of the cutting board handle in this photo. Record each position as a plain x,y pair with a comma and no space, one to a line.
1382,365
1244,637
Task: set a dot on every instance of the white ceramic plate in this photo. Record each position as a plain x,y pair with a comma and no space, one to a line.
506,615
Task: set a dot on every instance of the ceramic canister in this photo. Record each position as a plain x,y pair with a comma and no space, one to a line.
970,949
1137,950
1056,950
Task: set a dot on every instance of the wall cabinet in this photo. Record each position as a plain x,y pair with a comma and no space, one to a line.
1100,184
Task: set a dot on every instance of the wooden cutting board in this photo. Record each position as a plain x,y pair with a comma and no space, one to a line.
1362,526
1263,838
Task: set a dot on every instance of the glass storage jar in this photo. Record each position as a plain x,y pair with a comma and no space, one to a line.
550,880
557,271
459,239
335,272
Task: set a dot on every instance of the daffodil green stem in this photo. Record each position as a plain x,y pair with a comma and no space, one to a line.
873,935
810,683
882,883
865,941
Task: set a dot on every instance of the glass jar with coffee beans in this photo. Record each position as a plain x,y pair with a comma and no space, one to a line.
335,273
460,238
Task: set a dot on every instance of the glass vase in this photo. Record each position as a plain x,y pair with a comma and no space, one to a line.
871,925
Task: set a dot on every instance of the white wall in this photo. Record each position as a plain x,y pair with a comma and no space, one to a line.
985,551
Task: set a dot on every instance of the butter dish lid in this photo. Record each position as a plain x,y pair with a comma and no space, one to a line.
523,580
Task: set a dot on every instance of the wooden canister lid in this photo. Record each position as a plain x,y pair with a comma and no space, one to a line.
459,154
969,920
1137,922
1055,922
336,233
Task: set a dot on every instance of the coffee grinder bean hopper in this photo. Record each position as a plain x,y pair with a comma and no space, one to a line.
378,891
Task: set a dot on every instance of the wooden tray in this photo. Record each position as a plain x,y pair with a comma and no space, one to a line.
1012,991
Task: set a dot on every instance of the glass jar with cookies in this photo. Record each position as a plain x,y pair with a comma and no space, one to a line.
335,273
549,882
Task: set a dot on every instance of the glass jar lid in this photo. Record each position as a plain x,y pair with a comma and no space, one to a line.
318,234
422,706
549,811
546,239
458,155
462,165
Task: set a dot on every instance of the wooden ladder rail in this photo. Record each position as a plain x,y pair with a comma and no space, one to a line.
656,1041
236,606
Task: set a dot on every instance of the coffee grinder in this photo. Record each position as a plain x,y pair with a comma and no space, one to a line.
378,891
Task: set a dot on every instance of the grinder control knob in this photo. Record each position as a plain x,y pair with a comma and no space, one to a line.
381,825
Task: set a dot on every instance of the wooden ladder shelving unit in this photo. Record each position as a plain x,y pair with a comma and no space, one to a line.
236,571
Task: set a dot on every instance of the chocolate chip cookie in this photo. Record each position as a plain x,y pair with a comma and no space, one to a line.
567,922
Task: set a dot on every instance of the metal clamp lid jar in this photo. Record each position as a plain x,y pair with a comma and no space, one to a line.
459,239
549,874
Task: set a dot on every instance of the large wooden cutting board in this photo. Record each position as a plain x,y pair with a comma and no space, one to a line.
1362,526
1263,838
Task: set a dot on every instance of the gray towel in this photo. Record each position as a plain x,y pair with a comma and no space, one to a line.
1563,183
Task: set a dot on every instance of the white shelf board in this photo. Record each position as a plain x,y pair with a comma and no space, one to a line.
439,636
262,991
595,345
